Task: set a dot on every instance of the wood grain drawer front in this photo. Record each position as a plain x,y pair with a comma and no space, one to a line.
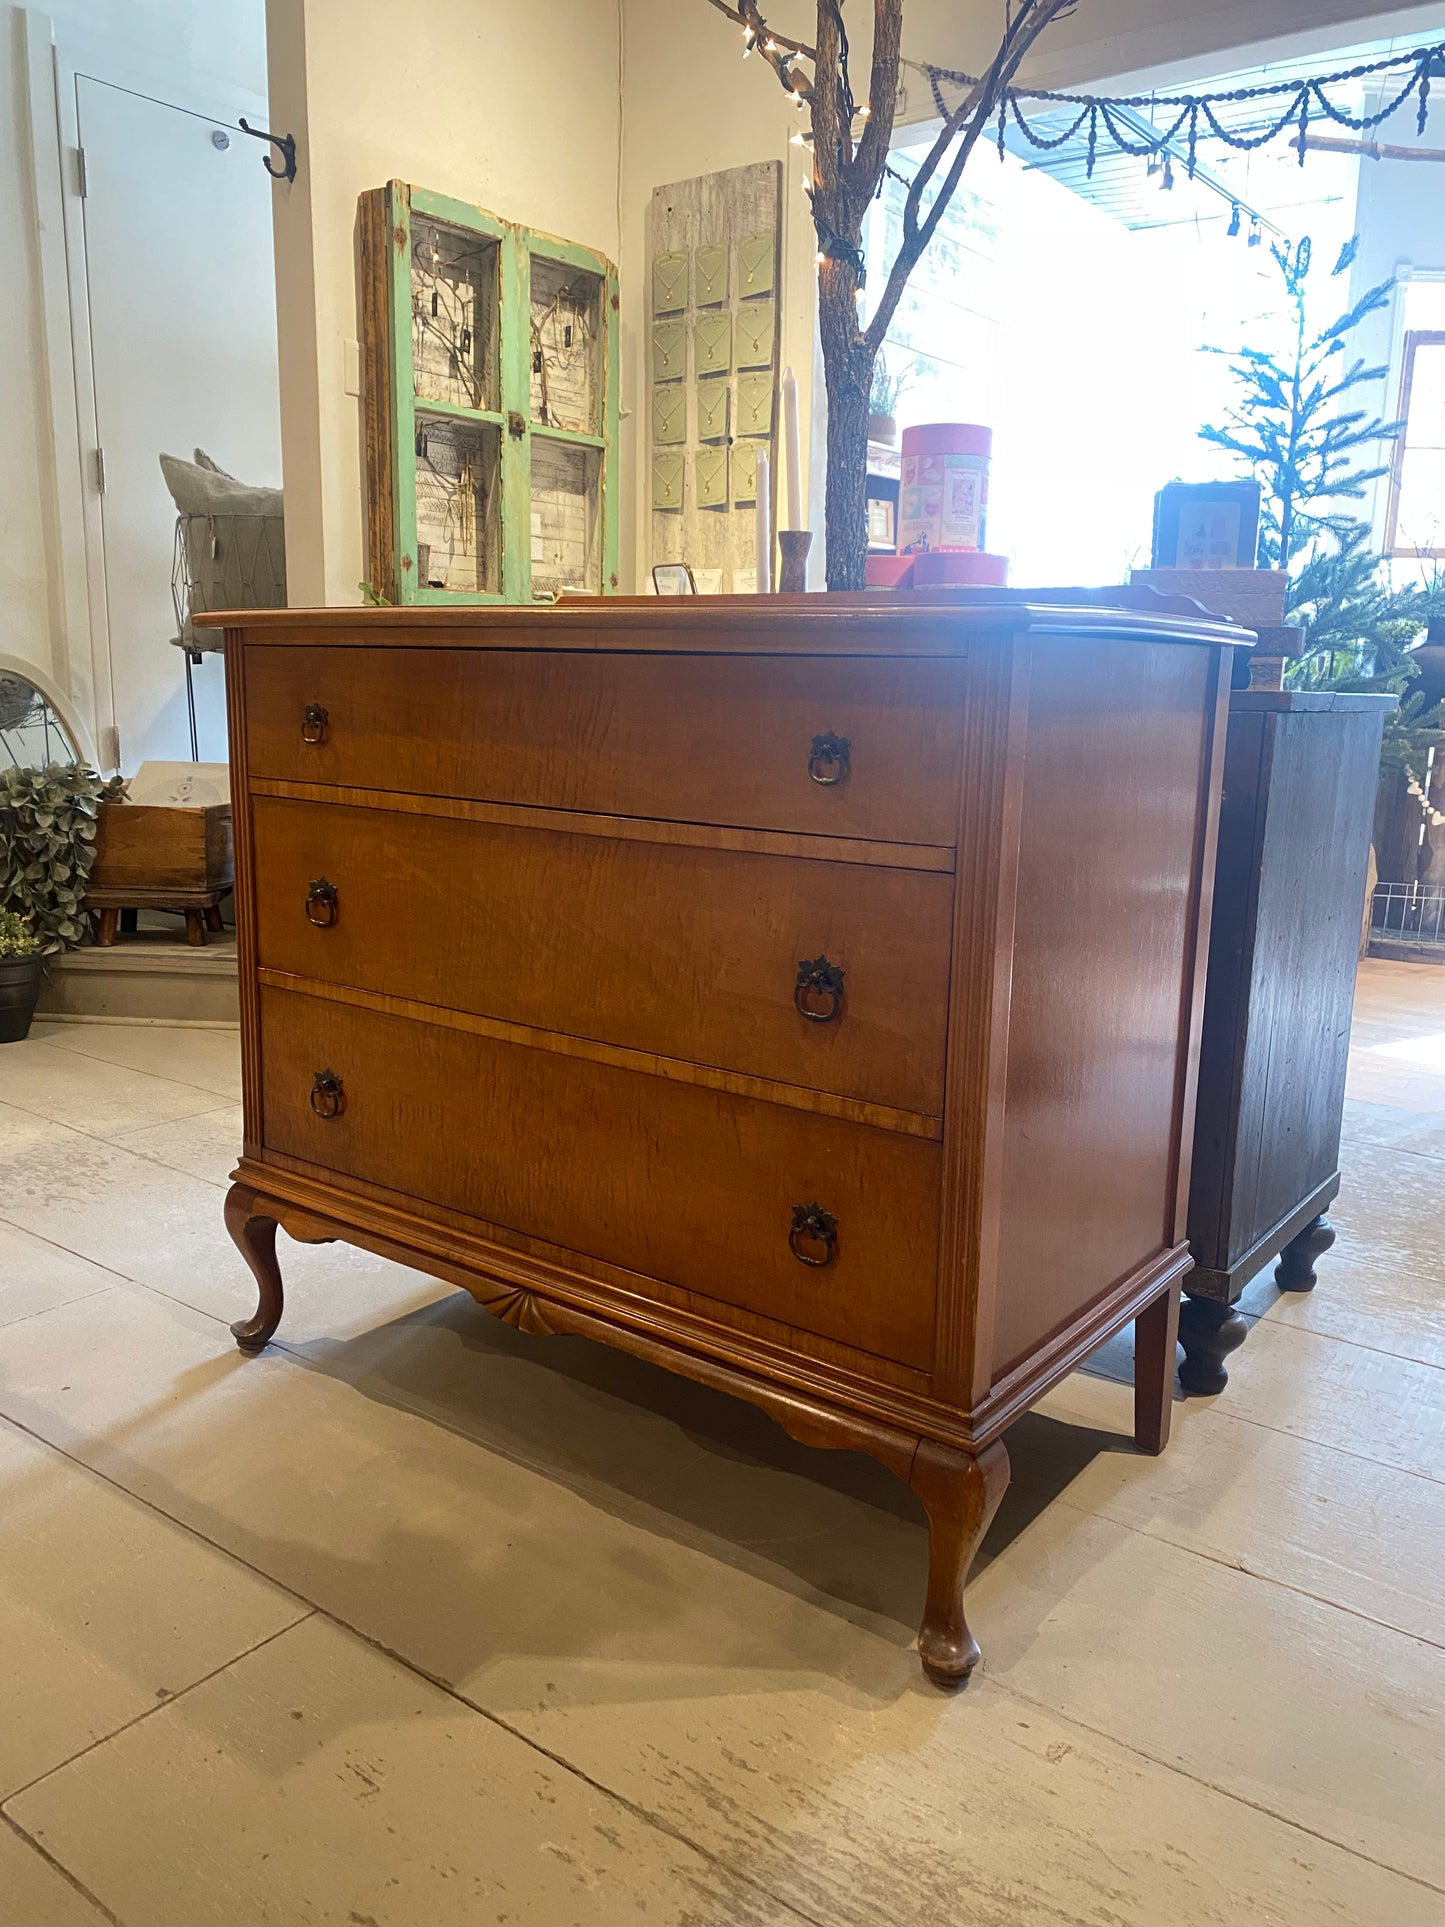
689,953
673,1181
695,739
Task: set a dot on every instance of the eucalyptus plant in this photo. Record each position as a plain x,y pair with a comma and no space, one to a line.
47,846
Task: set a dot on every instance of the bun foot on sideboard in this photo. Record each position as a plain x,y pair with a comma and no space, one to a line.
1296,1268
1209,1331
960,1495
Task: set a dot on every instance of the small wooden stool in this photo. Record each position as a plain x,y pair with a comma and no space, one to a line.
202,910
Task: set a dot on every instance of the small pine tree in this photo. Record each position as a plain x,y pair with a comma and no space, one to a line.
1288,425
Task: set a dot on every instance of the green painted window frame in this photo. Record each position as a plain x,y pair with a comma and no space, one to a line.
517,247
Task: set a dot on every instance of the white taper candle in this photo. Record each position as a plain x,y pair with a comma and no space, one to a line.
793,446
764,525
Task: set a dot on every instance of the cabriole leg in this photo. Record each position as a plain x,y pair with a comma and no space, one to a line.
1296,1268
960,1494
1209,1332
255,1237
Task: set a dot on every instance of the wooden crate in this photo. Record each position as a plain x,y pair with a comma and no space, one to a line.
154,854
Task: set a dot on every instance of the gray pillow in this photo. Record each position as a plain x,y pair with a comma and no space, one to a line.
233,538
202,488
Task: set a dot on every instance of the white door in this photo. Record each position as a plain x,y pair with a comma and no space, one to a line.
180,288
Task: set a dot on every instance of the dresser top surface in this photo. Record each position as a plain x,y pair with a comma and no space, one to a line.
940,624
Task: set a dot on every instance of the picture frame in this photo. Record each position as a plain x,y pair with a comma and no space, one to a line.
1206,525
673,578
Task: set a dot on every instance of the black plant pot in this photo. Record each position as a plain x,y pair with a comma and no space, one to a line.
19,990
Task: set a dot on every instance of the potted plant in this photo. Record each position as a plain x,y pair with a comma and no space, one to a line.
47,847
21,963
883,400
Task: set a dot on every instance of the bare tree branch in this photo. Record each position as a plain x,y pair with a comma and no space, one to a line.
877,138
973,118
849,165
746,15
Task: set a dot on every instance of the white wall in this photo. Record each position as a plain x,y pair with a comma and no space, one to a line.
153,45
516,109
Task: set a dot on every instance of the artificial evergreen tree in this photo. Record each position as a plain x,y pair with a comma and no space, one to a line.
1292,426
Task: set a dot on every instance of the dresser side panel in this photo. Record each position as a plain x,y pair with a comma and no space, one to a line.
993,727
1115,849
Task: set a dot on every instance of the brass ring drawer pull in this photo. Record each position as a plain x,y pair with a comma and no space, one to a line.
328,1096
313,723
321,904
817,978
813,1226
828,760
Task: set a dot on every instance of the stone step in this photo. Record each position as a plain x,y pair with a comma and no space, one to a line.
154,977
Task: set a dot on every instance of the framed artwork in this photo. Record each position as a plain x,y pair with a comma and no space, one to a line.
673,578
1206,525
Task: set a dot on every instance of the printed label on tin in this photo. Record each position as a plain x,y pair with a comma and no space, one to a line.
943,502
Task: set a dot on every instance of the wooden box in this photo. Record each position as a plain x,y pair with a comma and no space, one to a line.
147,851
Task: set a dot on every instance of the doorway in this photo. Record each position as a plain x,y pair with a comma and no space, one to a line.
179,312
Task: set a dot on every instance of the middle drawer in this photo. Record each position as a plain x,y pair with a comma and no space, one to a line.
687,952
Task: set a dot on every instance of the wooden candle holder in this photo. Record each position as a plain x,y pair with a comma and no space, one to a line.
793,576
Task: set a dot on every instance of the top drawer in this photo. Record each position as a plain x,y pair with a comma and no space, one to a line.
727,740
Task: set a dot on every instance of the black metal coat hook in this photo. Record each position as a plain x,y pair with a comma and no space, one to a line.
287,144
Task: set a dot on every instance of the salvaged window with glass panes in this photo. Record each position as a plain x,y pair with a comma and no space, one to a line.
489,406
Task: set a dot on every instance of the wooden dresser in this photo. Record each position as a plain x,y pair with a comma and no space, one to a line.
801,992
1301,773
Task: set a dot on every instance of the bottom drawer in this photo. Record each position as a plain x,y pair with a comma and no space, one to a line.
674,1181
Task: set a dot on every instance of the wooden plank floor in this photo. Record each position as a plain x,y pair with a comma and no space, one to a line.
417,1622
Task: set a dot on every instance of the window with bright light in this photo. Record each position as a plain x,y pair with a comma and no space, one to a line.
1417,484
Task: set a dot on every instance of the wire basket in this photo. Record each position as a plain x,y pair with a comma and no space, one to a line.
225,562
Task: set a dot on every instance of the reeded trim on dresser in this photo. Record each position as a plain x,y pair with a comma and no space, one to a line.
628,829
851,1110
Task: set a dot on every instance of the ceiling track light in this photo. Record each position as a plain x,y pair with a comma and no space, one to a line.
1234,220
